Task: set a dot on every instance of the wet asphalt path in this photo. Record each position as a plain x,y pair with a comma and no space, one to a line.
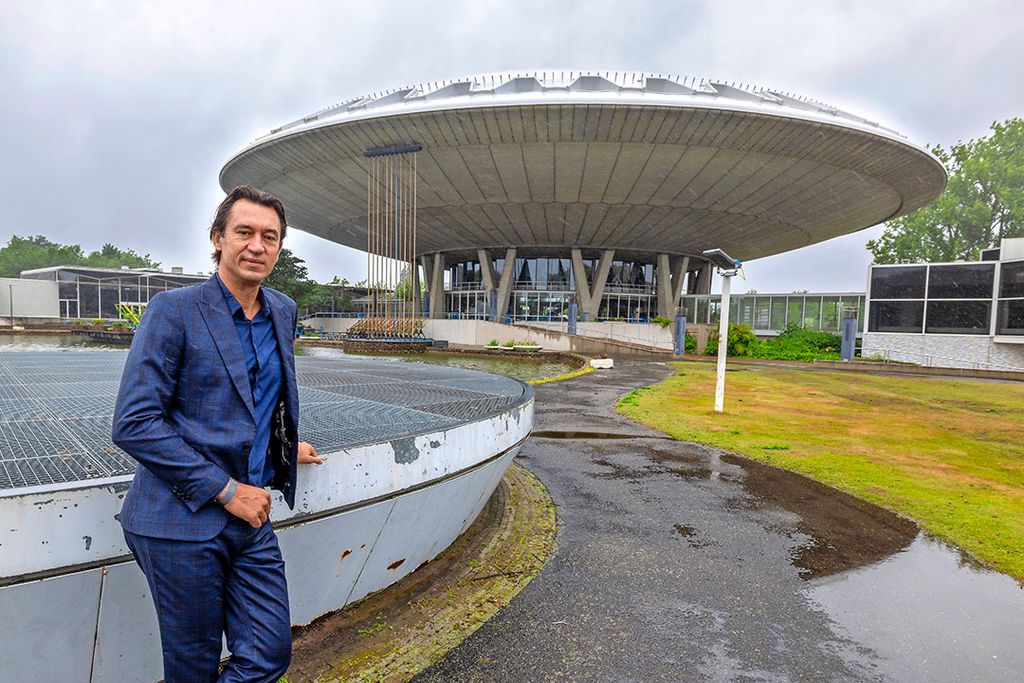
675,562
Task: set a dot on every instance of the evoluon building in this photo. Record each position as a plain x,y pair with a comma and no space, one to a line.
535,187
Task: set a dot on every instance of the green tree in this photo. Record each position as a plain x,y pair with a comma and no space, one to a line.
983,202
110,256
26,253
291,276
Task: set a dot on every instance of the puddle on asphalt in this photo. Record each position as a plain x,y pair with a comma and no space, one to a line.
927,610
930,614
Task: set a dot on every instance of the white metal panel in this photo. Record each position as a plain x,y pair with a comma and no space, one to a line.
323,558
127,633
49,628
424,523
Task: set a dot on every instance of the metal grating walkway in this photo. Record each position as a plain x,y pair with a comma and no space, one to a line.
55,408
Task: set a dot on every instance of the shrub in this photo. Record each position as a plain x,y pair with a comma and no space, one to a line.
799,343
661,320
742,341
493,342
690,343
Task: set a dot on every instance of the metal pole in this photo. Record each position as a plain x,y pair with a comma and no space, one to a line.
680,332
10,297
723,343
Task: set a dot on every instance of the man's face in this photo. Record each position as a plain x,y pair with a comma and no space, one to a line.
250,244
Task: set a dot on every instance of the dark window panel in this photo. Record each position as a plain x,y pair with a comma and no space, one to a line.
896,316
968,281
1011,317
903,282
1011,279
959,317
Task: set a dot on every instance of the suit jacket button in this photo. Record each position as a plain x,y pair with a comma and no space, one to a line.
246,447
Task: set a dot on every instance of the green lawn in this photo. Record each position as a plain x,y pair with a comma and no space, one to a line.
947,453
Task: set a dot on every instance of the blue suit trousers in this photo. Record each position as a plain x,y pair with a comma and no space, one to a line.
233,584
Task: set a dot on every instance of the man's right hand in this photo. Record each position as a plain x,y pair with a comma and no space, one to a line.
250,503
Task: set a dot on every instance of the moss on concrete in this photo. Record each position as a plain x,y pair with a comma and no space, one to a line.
398,632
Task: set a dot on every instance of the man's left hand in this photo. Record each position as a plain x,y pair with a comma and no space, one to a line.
307,454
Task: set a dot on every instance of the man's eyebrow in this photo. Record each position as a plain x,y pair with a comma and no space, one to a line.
246,226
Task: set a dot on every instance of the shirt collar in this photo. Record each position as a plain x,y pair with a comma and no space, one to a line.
236,308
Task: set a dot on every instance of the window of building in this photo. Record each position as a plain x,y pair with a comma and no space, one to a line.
958,317
896,316
1011,280
1010,319
900,282
966,281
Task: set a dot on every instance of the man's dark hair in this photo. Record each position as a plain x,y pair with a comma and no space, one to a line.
251,194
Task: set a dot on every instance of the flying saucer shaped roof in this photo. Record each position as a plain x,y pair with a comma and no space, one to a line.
633,161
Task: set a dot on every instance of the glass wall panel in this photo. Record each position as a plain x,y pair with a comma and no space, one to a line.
778,321
715,311
812,312
959,317
109,300
1011,317
896,316
702,311
794,310
761,313
540,276
830,313
902,282
967,281
1011,280
88,302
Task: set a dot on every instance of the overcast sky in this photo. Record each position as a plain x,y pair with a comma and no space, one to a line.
116,117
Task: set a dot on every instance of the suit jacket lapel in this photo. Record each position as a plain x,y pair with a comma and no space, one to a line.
218,320
286,345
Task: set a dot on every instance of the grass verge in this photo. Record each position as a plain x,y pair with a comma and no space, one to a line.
947,453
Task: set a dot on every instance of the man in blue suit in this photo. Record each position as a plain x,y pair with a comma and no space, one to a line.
208,406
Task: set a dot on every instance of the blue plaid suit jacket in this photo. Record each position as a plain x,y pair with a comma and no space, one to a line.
185,411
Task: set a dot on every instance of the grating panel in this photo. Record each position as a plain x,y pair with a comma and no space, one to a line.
56,407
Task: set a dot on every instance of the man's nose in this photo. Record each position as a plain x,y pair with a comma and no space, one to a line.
256,244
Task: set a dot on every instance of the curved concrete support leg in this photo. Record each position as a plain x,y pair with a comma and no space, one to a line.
589,297
437,288
505,284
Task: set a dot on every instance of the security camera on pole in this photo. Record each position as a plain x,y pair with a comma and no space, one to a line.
728,268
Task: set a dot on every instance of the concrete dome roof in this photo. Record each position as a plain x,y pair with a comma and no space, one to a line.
625,160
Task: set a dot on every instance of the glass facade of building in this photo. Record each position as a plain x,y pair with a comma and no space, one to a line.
948,298
96,292
1010,305
772,313
543,288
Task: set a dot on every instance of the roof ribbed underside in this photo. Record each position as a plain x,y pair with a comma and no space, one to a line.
677,179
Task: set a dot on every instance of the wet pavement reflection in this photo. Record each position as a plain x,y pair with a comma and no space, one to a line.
929,614
678,561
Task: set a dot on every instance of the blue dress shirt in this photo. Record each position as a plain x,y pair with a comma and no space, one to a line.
263,360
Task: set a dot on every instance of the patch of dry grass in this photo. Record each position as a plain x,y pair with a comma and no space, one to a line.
949,453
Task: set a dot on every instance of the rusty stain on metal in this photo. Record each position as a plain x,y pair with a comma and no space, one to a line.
396,564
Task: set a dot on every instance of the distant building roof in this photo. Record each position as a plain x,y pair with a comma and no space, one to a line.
110,273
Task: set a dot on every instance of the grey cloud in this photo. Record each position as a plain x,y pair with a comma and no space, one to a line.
118,116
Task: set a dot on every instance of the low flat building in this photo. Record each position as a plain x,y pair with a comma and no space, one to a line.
86,292
962,314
